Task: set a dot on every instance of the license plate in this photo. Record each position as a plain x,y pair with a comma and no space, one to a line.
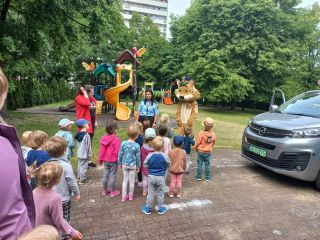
257,150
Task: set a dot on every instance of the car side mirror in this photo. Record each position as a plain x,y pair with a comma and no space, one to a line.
273,108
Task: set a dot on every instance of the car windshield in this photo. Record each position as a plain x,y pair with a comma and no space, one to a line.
305,104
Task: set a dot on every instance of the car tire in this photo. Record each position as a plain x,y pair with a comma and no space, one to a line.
317,182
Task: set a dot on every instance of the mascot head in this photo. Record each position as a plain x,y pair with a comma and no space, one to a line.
186,91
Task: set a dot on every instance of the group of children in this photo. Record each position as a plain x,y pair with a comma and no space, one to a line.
51,175
147,153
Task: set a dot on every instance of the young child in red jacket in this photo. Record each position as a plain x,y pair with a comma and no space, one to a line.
108,156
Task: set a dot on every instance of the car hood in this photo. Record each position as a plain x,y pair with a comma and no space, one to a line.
285,121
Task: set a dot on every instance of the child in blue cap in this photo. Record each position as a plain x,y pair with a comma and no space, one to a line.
178,158
84,152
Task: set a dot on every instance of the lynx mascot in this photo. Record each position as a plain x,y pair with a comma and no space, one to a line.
187,110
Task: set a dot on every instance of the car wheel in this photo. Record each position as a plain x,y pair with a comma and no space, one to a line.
318,181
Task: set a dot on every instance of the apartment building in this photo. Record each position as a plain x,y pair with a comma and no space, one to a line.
156,9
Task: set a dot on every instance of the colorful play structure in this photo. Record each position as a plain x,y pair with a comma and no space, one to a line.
108,84
164,94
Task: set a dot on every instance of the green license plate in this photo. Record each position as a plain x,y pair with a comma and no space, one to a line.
259,151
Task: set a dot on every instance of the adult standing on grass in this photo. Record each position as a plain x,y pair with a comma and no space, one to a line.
17,212
148,109
86,109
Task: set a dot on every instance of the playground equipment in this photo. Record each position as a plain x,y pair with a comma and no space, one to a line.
164,95
112,94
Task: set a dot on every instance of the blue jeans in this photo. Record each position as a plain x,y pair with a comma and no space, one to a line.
206,159
110,172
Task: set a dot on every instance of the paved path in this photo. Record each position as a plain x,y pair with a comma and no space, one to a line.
244,201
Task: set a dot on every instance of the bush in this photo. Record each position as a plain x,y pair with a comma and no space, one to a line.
33,92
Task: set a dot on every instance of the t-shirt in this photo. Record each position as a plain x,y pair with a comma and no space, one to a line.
129,154
40,156
157,163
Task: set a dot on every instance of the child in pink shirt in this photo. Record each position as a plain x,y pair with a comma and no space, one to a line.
108,156
48,203
163,129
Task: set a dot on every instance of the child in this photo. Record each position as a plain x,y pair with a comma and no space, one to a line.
178,158
164,120
108,155
203,145
43,232
67,187
129,160
25,148
187,142
48,202
25,144
146,148
84,152
36,156
157,164
146,124
65,132
139,140
163,129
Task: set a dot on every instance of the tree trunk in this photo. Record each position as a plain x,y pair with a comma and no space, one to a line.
5,9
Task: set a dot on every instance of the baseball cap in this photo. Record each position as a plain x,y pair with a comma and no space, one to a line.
178,140
150,133
65,122
81,122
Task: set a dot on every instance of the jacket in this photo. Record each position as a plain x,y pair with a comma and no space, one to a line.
178,160
145,150
17,211
69,138
109,148
84,145
83,110
129,154
205,141
157,164
68,183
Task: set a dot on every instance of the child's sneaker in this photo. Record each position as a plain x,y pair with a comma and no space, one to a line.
198,179
114,193
208,180
140,184
130,197
105,193
170,195
162,210
144,193
146,210
124,198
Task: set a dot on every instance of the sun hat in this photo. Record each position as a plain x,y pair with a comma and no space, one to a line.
150,133
178,140
65,122
81,122
207,122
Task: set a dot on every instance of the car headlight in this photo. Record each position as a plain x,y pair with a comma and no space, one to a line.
305,133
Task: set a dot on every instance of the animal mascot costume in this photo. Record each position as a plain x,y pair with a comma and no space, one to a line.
187,110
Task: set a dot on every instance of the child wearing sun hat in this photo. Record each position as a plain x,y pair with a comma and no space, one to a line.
205,140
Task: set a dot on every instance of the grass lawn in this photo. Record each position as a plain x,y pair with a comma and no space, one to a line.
229,125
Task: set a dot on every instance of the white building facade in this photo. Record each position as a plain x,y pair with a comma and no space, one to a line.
156,9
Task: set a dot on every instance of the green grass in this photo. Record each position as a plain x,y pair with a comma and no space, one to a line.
229,125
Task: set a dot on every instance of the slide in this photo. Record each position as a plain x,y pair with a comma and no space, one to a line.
112,94
167,101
